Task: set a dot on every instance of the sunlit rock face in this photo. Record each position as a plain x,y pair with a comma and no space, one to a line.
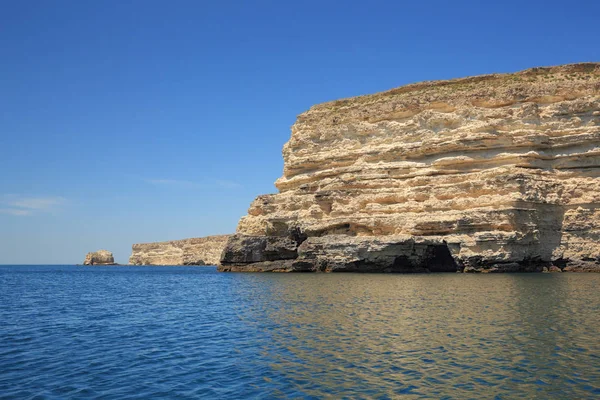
501,169
100,257
196,251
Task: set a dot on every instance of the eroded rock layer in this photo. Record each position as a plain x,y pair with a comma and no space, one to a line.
195,251
100,257
500,170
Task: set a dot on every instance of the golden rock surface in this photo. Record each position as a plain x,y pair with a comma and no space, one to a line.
502,168
196,251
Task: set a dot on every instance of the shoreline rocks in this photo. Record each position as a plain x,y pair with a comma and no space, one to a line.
494,173
337,253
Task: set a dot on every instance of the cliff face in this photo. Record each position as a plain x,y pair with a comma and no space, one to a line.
100,257
499,171
196,251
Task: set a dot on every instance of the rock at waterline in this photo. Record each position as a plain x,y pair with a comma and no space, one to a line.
100,257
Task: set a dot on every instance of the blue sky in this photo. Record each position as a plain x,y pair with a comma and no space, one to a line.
135,121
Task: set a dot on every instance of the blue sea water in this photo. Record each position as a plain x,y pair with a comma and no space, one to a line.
191,332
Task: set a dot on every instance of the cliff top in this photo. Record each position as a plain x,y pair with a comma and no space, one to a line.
185,241
532,81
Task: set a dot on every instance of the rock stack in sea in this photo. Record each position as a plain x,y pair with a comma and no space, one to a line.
196,251
494,173
100,257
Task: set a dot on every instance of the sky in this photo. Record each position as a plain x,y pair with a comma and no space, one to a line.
125,122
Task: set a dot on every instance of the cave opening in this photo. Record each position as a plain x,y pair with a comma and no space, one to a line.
437,258
441,260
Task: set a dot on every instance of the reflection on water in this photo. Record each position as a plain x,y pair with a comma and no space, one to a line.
151,332
451,335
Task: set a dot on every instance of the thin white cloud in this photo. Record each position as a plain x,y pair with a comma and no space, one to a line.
229,184
16,212
20,206
222,183
38,203
172,182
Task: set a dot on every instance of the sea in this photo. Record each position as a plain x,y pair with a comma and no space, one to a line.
121,332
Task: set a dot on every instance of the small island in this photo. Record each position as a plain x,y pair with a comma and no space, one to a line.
100,257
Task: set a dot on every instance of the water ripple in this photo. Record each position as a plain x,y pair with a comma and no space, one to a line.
185,332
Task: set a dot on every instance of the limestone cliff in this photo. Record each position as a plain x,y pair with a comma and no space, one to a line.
490,173
196,251
100,257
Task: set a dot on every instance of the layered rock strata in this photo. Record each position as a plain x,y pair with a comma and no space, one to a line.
494,173
195,251
100,257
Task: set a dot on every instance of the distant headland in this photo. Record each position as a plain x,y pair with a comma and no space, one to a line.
194,251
